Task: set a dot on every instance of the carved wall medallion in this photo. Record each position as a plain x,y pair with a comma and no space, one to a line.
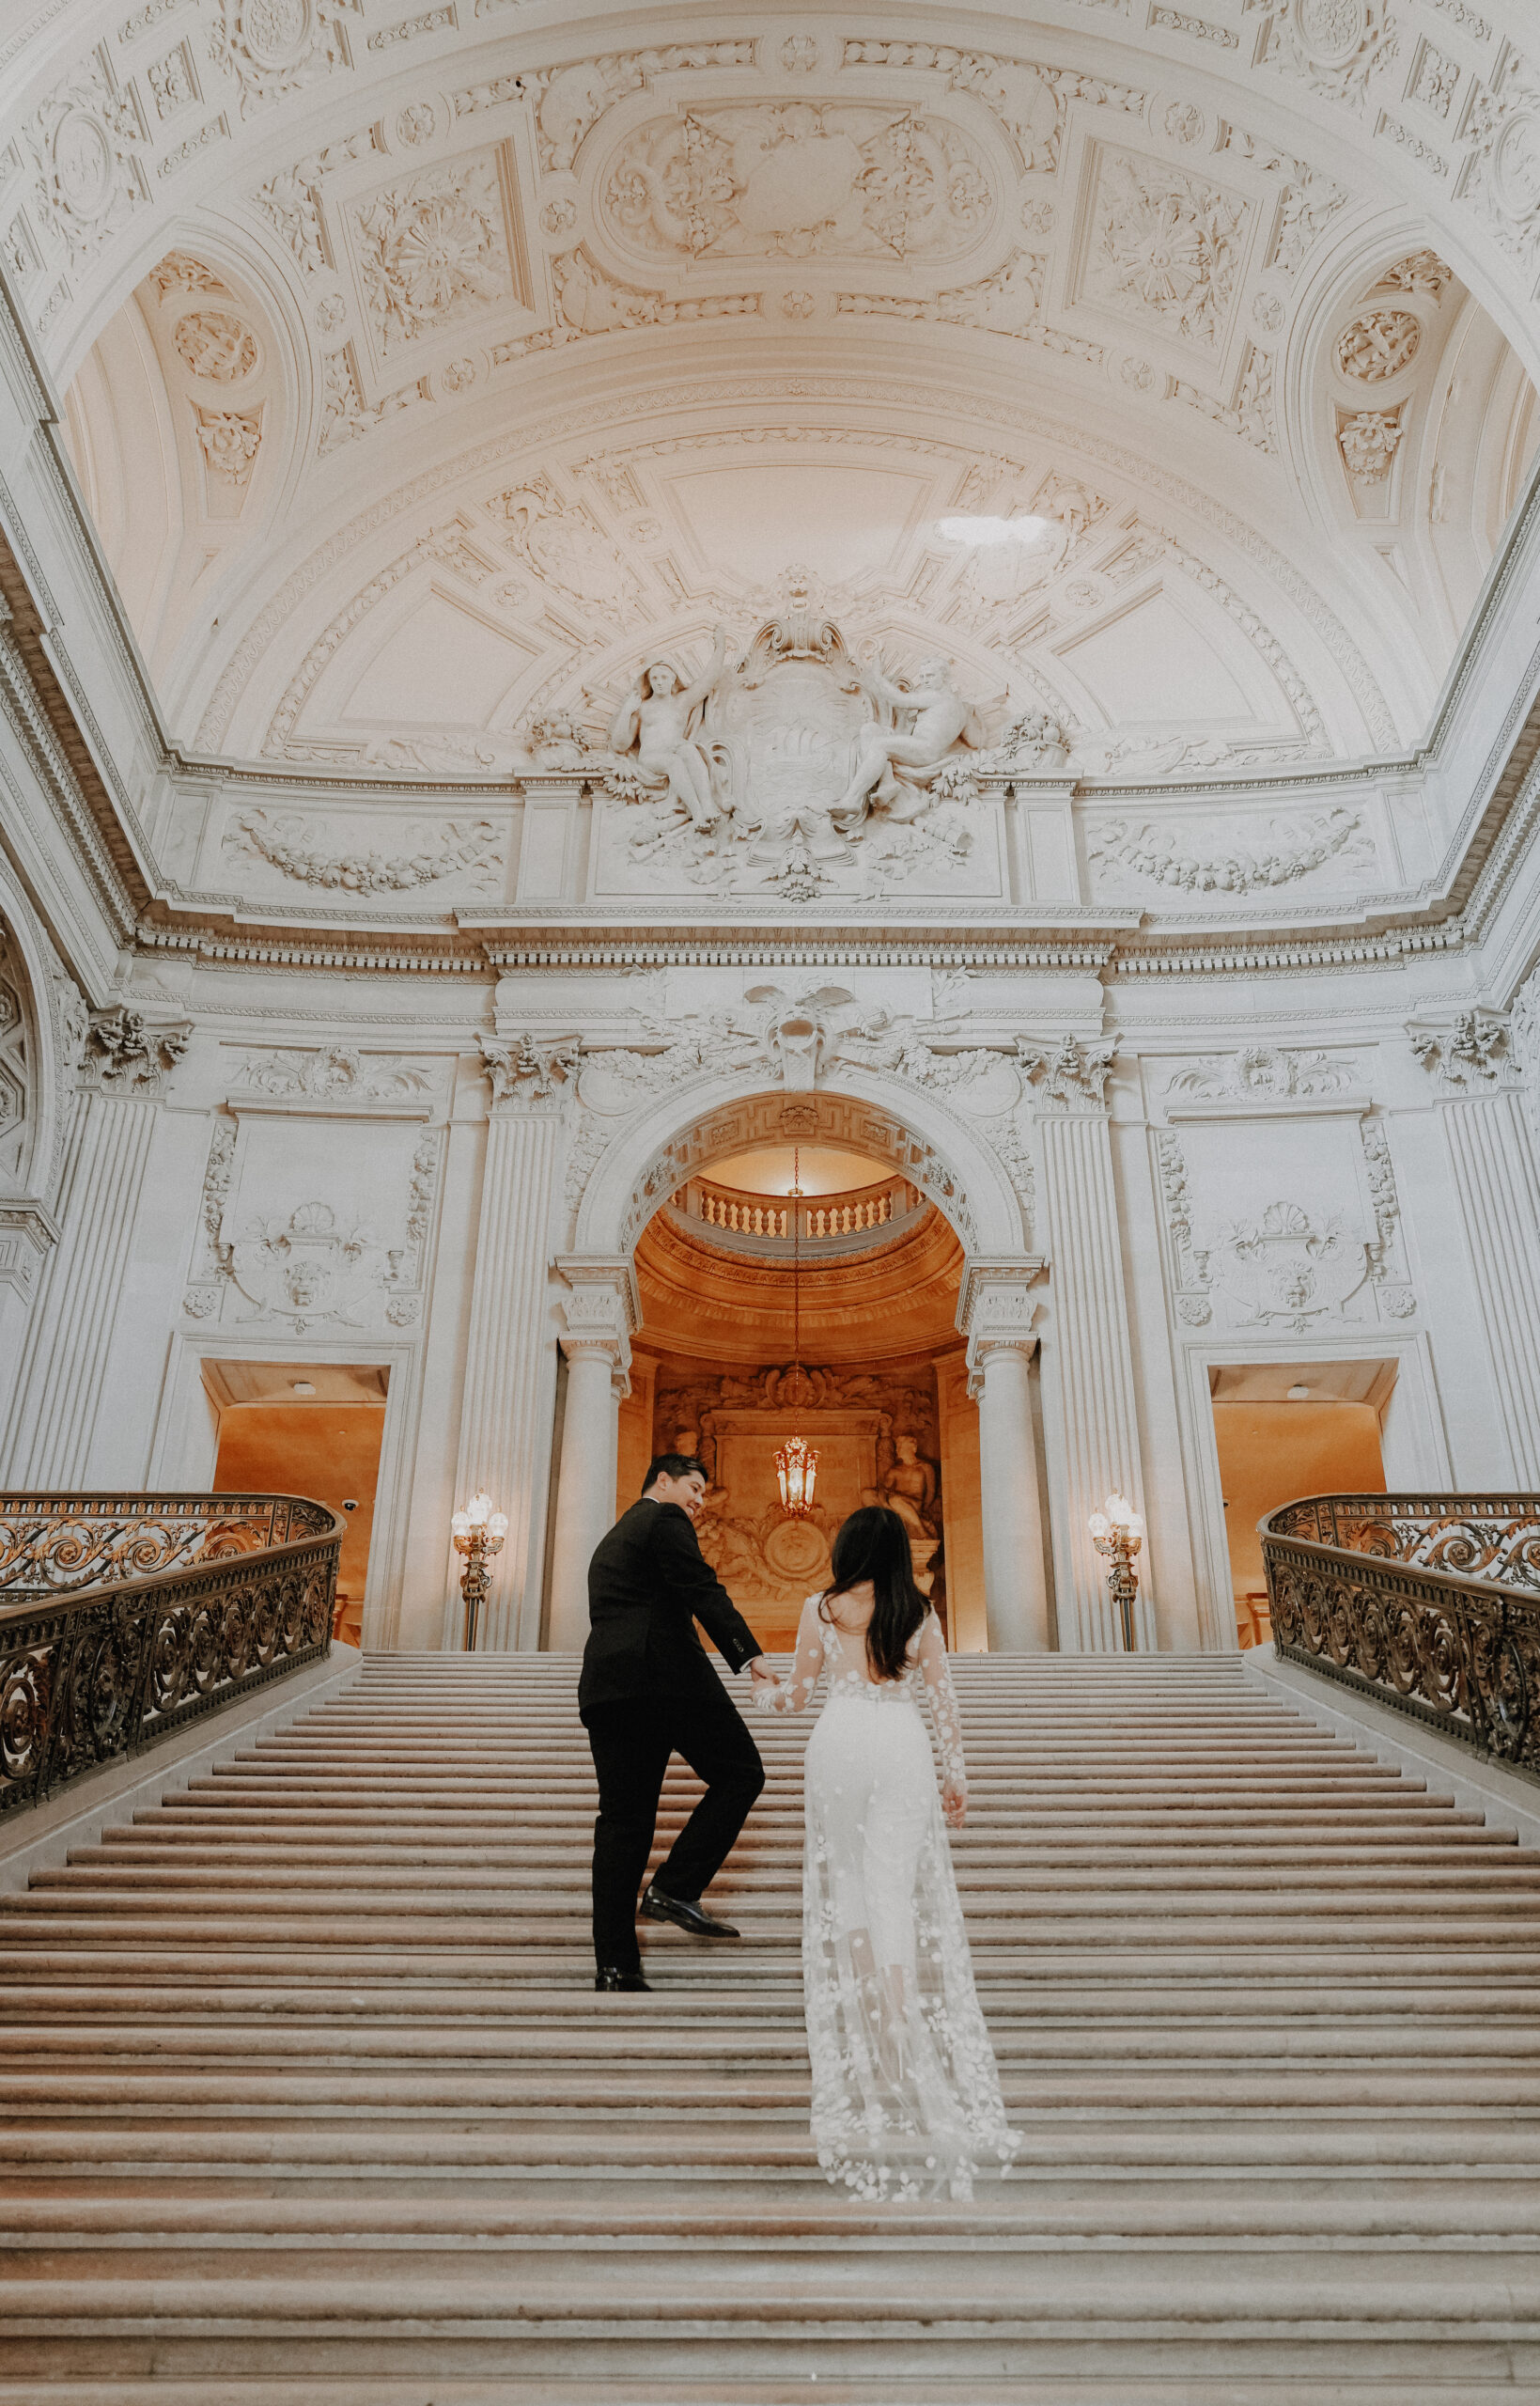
1333,45
216,345
85,143
1379,345
275,47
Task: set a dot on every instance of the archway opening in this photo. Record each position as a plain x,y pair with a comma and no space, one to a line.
884,1393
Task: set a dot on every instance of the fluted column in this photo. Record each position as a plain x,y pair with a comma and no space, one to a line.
59,1389
511,1369
599,1312
28,1234
1090,1402
995,1312
1491,1153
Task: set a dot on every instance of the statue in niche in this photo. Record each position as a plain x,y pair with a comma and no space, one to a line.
907,1486
657,721
895,765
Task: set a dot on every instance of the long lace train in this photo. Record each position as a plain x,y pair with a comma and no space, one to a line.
906,2094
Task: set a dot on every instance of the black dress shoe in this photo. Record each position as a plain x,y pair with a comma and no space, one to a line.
657,1906
610,1981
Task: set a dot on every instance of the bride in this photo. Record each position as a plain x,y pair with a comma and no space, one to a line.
905,2096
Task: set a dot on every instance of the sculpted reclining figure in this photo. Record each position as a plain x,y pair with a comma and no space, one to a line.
894,764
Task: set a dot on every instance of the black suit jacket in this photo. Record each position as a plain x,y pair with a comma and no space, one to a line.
648,1583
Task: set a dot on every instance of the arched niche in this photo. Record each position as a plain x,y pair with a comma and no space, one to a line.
658,1146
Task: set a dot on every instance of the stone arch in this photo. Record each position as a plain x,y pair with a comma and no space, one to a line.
890,1121
31,1063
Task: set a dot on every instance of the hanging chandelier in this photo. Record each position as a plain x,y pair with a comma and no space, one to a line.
796,1461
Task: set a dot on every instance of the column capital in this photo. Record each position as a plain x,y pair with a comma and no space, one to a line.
527,1074
1465,1052
1069,1075
124,1054
600,1311
28,1232
996,1306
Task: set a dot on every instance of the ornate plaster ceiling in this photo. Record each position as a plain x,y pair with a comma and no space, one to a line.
427,370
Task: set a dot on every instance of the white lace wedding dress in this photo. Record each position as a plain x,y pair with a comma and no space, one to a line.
906,2095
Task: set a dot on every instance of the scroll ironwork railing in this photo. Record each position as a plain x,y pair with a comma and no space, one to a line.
123,1618
1429,1602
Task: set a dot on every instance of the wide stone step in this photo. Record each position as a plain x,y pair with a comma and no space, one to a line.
1311,2215
303,2083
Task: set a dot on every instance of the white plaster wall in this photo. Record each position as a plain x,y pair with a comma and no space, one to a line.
147,1421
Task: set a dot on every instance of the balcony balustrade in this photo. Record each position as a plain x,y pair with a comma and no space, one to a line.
124,1617
825,1219
1429,1602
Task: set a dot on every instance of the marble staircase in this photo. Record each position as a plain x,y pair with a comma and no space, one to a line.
306,2096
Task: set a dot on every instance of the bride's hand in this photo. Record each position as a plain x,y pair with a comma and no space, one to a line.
955,1803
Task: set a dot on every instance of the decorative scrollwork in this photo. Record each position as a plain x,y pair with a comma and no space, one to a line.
1428,1602
127,1616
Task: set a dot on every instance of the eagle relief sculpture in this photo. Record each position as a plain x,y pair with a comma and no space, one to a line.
796,769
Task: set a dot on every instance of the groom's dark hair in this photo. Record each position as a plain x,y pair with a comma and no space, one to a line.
675,1466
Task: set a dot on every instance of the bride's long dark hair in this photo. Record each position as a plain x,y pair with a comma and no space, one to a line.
874,1544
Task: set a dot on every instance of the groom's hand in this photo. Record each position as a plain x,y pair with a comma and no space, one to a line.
761,1671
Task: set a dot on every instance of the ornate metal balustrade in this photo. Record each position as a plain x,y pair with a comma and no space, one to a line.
124,1617
1429,1602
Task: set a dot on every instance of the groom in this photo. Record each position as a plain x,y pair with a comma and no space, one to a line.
648,1690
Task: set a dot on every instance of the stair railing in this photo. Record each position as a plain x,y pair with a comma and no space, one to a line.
123,1618
1430,1604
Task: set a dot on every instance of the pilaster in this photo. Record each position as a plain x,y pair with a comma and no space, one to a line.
599,1314
996,1309
510,1372
1491,1153
1090,1407
58,1392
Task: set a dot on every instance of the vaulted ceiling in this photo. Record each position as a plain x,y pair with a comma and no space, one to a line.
427,368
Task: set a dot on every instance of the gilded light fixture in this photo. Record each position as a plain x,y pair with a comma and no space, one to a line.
478,1533
796,1461
1117,1532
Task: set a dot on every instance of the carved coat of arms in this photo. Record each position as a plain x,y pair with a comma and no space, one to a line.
1284,1268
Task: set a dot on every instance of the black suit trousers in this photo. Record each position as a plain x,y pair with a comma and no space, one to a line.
631,1743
